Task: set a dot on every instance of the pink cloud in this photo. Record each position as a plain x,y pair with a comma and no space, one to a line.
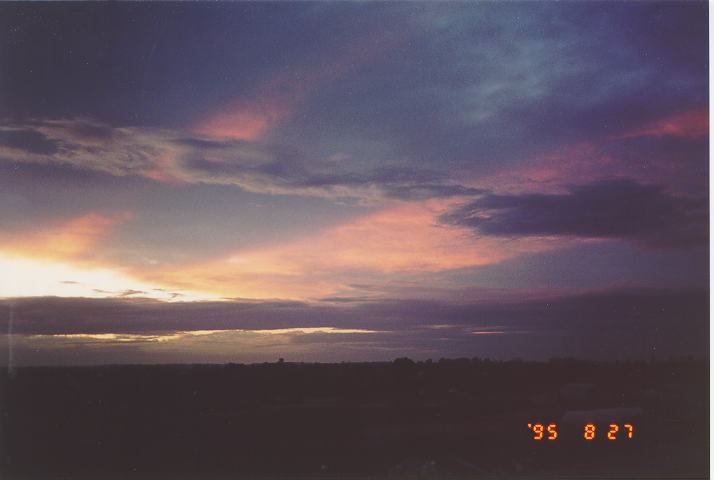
690,124
586,161
404,239
253,115
164,169
250,119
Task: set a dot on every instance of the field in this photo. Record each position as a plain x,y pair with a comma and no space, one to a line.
449,419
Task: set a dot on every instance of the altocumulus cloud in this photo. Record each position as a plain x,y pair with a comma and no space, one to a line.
620,209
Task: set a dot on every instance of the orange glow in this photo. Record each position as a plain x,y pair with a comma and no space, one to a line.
39,277
405,238
71,239
589,433
552,430
612,434
630,430
66,260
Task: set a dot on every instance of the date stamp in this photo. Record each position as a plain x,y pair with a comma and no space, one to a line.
611,431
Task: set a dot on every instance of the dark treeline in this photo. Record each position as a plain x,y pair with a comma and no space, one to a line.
454,418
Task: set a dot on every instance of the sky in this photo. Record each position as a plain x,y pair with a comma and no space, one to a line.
242,182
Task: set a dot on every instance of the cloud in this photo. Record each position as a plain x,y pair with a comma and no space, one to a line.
464,104
277,99
139,315
130,292
405,239
75,238
28,141
289,174
689,124
173,156
623,209
625,323
670,150
396,182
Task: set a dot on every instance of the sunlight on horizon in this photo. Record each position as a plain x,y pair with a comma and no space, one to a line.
31,278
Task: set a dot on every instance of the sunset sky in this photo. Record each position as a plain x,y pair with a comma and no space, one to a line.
239,182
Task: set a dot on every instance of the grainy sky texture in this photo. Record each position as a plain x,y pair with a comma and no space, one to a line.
352,181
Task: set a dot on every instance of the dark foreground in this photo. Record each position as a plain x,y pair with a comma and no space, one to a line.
449,419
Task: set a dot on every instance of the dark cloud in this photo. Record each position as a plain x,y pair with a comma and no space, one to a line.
92,131
626,323
396,182
644,214
60,315
291,173
206,144
129,293
28,141
346,299
679,161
